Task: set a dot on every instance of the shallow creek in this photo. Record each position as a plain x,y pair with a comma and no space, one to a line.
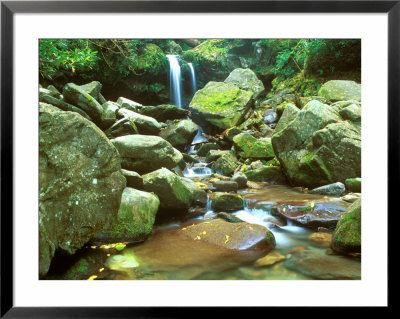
169,254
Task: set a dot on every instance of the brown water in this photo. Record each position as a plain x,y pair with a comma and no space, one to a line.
169,254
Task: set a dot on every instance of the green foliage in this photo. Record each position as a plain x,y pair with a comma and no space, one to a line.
293,56
70,55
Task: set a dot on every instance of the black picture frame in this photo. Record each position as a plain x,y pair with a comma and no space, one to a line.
9,8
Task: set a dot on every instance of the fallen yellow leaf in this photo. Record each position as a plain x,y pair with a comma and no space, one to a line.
92,277
101,269
227,238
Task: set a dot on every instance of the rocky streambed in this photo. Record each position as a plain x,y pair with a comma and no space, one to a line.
271,190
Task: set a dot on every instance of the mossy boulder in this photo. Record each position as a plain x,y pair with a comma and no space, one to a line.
77,96
241,179
206,147
354,184
180,134
62,105
347,235
93,89
173,194
219,106
247,80
226,164
80,183
269,174
226,202
289,114
340,90
163,112
145,124
250,147
334,189
199,195
128,104
144,153
135,219
351,113
317,148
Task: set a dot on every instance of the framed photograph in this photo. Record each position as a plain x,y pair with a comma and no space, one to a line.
159,155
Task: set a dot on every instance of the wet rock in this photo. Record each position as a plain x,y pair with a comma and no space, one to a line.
347,235
133,179
136,216
199,195
320,266
77,96
189,159
354,184
180,134
80,183
145,124
109,116
229,217
322,240
323,214
226,164
269,260
241,179
164,112
225,186
143,153
335,189
121,127
128,104
169,188
270,174
247,80
205,148
226,202
251,147
219,106
317,148
339,90
237,236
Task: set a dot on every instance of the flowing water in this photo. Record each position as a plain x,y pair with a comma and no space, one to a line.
175,80
193,77
169,254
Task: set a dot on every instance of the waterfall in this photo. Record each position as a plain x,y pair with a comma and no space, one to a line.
175,80
193,74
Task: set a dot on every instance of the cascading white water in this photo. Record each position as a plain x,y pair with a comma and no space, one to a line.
175,80
193,75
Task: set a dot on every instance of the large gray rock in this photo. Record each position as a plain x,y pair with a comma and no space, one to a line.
135,219
219,106
77,96
144,153
226,202
317,148
144,124
269,174
340,90
247,80
180,134
173,194
80,183
93,89
63,105
226,164
128,104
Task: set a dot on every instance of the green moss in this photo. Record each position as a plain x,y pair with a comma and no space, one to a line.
79,268
299,83
217,101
